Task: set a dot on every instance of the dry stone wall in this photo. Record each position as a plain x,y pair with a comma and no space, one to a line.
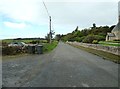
110,49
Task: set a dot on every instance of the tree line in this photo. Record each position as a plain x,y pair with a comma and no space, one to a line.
93,34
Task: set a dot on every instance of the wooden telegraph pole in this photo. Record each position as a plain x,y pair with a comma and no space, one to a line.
50,35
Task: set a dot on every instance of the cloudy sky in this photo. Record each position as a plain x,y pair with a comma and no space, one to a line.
28,18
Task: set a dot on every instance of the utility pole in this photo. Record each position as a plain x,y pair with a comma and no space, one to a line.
50,35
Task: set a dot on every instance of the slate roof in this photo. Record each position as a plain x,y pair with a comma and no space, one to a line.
116,28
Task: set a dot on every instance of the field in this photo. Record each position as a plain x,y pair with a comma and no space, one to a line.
25,41
110,43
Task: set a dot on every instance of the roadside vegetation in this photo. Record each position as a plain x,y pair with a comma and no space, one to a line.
12,51
7,41
105,55
88,35
93,35
110,43
49,47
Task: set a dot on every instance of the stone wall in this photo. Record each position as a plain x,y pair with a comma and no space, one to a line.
110,49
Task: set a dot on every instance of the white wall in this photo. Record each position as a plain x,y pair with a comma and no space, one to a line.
119,10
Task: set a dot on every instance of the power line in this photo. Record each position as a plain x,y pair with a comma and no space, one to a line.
50,21
46,9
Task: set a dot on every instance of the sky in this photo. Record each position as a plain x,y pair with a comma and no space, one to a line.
28,18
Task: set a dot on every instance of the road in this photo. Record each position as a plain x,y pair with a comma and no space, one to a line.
65,66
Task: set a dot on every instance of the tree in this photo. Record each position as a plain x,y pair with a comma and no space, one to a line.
89,39
96,32
76,29
94,25
58,37
47,37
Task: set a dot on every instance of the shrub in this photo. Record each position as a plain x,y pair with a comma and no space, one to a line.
4,44
8,51
99,38
81,39
35,42
95,42
90,38
117,40
13,50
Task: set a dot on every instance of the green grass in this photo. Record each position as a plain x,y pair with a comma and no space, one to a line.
49,47
25,41
105,55
10,40
110,43
7,40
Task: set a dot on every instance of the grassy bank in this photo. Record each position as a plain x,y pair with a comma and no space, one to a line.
105,55
49,47
110,43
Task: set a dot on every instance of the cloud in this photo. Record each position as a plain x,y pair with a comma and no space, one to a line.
66,14
14,25
62,11
22,10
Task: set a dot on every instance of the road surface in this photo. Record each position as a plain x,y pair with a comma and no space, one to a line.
65,66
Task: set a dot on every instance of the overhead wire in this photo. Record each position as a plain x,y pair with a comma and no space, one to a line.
47,12
46,8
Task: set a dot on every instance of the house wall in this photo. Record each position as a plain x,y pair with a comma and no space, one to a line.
112,38
107,38
117,34
119,11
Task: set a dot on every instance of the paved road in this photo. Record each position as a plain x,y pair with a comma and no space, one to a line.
65,66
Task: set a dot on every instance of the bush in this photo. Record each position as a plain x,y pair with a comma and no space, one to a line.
13,50
100,38
81,39
95,42
4,44
8,51
90,38
35,42
117,40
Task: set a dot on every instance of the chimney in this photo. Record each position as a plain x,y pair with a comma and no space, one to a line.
119,11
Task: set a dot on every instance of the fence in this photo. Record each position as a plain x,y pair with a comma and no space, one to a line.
110,49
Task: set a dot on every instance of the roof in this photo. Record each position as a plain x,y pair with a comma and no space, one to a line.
116,28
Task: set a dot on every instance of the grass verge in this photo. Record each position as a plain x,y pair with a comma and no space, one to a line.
105,55
49,47
111,43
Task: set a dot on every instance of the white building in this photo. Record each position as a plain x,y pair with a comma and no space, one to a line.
115,33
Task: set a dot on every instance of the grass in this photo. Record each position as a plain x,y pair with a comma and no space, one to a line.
105,55
10,40
49,47
25,41
110,43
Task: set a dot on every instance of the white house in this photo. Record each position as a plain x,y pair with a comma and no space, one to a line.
115,33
